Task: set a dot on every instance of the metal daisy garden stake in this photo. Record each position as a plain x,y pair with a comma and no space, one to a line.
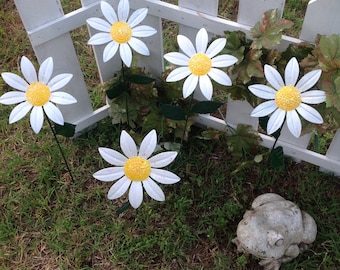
38,92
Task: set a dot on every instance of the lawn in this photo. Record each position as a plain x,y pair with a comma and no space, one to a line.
49,221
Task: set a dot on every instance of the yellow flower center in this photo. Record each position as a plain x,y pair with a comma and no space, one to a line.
137,169
200,64
121,32
288,98
38,94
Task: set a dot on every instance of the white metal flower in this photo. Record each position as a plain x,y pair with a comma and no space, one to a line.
37,92
287,99
200,64
121,32
137,169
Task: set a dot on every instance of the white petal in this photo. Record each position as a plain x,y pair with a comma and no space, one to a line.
109,174
136,194
310,114
308,80
128,145
110,50
99,24
154,191
294,123
28,70
123,10
206,86
143,31
223,60
54,113
178,74
137,16
292,72
313,96
12,97
112,156
62,98
276,121
162,159
273,77
189,85
262,91
148,145
59,81
118,188
19,112
45,70
201,40
125,54
37,118
186,46
108,12
164,177
264,109
177,58
99,39
15,81
139,46
220,76
216,46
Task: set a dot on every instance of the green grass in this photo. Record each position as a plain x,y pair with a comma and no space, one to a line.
49,221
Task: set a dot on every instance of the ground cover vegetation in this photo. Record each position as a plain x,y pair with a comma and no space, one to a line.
48,221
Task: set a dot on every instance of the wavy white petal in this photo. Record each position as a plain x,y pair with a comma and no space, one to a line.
15,81
99,24
262,91
206,86
223,60
186,45
125,54
99,39
62,98
137,17
28,70
128,145
143,31
189,85
136,194
154,191
275,121
109,174
220,76
54,113
313,96
294,123
118,188
46,70
108,12
112,156
273,77
310,114
178,74
264,109
110,50
148,145
201,40
12,97
19,112
162,159
36,118
308,80
292,72
215,47
139,46
59,81
177,58
164,177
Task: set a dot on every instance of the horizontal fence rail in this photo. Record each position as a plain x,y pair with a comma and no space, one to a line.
49,33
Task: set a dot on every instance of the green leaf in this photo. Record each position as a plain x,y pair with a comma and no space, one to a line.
206,106
115,89
173,112
123,208
67,130
276,158
140,79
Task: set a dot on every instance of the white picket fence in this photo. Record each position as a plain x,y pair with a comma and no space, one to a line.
48,29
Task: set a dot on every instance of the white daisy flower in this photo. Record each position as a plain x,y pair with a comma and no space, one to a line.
121,32
37,92
287,100
200,64
137,169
